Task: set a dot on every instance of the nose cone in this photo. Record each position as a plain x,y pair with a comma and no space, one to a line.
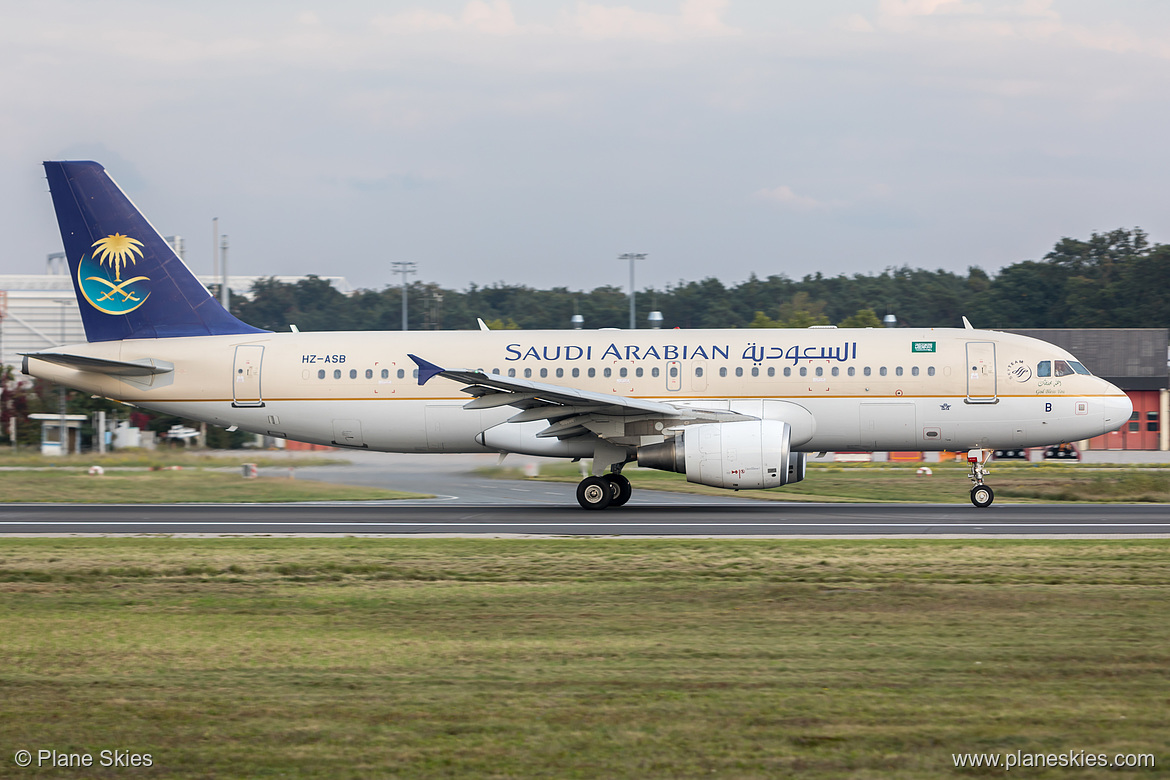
1117,409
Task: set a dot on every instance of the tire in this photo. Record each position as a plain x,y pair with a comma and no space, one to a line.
594,493
982,496
622,490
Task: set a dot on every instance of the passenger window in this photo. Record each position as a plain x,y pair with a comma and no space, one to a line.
1044,368
353,373
654,372
592,372
528,373
804,371
369,373
882,371
511,372
867,371
914,371
698,370
560,373
638,372
623,373
851,371
608,372
898,371
414,374
723,371
739,370
401,373
836,371
1062,368
788,371
320,375
576,372
337,373
544,373
930,370
820,371
673,371
386,373
755,371
771,370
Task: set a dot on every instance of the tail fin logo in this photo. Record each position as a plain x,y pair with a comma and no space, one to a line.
117,295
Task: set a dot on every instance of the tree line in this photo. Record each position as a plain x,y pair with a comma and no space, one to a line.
1111,280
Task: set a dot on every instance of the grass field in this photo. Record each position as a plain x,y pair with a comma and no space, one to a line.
161,457
166,487
581,658
1017,483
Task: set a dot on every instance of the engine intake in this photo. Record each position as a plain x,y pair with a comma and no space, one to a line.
744,455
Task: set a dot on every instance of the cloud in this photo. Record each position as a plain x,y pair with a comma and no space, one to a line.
696,19
479,16
785,197
927,7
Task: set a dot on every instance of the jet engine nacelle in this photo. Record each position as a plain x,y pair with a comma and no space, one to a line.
743,455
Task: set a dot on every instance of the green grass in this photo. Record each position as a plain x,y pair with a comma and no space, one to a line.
581,658
163,456
168,487
1019,483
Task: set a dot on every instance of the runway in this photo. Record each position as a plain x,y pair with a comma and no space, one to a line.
772,519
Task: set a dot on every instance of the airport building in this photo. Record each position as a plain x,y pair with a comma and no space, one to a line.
39,311
1134,359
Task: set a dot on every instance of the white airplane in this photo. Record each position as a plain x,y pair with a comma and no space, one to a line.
736,409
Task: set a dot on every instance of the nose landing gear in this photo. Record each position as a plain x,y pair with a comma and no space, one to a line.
981,494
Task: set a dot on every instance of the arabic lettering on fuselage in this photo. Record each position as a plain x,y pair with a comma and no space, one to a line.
755,353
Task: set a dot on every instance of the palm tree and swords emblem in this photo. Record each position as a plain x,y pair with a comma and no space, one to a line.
118,252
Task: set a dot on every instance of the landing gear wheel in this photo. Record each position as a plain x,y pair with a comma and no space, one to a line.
982,496
621,487
594,493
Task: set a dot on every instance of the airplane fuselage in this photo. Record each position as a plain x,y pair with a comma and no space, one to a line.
855,389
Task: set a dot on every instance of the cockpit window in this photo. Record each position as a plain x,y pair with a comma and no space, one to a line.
1080,369
1044,368
1062,368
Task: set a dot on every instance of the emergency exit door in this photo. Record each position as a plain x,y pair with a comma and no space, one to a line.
981,387
246,375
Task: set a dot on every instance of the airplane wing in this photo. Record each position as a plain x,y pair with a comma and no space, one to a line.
569,411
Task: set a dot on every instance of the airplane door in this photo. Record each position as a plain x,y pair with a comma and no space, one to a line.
674,375
246,375
698,375
980,368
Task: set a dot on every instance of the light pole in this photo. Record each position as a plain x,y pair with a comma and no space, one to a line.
404,267
632,256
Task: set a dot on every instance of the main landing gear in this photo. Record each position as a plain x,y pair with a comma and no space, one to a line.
981,494
603,492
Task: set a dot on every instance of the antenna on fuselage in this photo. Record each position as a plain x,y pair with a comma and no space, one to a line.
967,324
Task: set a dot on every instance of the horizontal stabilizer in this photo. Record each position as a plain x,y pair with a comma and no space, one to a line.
145,367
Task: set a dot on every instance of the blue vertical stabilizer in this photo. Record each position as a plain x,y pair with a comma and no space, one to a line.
130,284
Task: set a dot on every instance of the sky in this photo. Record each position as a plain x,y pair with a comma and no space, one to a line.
534,141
